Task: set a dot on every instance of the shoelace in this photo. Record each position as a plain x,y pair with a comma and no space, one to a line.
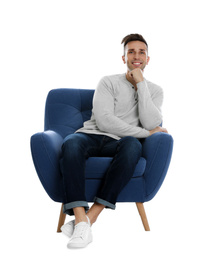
80,230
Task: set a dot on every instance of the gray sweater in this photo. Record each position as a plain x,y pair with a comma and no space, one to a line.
119,110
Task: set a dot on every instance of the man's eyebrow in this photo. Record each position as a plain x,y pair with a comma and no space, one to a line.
134,49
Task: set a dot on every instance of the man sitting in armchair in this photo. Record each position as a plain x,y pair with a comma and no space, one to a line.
126,108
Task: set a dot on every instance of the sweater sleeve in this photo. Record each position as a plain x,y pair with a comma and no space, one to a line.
149,105
103,110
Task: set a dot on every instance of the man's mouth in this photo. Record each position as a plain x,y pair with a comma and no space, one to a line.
137,64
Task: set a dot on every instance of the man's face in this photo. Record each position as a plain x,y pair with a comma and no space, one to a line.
136,55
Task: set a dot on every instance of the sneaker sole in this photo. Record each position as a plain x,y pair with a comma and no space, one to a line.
78,246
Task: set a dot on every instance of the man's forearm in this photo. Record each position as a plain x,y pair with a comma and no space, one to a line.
114,125
149,113
149,108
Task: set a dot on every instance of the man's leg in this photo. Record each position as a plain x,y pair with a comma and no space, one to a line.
127,154
80,215
76,149
94,212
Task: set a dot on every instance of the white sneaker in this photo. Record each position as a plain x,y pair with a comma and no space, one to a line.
82,235
68,228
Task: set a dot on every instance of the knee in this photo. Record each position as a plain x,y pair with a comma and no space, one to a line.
131,146
72,146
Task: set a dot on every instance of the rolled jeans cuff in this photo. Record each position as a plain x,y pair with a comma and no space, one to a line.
68,207
105,203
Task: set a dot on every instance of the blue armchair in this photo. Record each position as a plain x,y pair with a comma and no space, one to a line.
65,112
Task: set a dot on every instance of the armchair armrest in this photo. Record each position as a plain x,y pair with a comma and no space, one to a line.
157,150
46,150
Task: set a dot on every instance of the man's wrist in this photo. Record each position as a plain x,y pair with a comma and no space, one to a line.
140,83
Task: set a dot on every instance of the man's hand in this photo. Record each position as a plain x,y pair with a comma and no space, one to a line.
136,75
158,129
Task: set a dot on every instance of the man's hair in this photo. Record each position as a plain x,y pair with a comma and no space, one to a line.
133,37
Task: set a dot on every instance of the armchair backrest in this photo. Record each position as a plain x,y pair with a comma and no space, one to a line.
67,109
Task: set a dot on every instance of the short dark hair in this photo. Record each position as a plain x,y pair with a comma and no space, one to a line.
133,37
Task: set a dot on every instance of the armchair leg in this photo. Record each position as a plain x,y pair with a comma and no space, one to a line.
142,213
61,219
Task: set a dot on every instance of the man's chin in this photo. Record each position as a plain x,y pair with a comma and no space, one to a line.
132,67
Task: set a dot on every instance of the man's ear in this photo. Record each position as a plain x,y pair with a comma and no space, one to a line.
148,59
123,58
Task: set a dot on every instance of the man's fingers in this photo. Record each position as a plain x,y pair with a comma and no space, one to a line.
131,74
165,130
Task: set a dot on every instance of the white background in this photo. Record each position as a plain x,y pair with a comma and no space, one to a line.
72,44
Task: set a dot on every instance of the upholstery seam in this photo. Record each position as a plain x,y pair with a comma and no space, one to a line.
154,156
49,160
41,175
47,151
59,103
162,170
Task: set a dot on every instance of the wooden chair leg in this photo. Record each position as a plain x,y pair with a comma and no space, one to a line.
61,219
142,213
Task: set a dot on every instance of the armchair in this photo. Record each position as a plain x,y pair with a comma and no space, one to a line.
65,112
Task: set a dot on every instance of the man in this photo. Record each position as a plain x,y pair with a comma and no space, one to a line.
126,108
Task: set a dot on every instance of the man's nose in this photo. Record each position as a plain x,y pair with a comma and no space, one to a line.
136,56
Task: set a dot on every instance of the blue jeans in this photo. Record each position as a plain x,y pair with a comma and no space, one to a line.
77,148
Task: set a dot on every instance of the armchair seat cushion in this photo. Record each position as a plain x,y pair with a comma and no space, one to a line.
97,166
